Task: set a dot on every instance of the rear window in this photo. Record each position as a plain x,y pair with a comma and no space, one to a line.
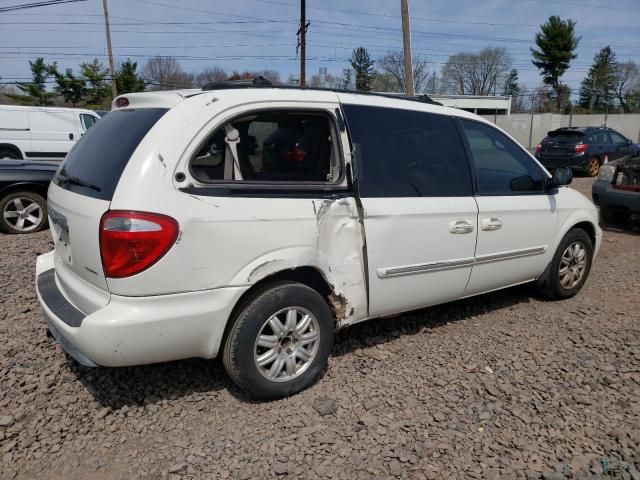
94,165
566,137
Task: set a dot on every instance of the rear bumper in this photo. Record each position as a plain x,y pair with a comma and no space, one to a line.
136,330
578,162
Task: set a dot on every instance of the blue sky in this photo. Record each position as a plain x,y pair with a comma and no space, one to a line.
261,34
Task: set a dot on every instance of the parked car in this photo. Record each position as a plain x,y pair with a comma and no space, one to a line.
41,132
583,149
23,192
161,255
617,191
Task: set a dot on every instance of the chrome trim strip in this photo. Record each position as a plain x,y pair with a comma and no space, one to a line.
424,267
5,129
498,257
461,263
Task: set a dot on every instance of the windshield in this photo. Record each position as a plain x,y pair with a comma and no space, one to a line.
94,165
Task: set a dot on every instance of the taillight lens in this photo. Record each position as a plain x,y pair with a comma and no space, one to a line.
538,148
131,242
581,148
122,102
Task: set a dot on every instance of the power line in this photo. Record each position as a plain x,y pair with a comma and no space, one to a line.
25,6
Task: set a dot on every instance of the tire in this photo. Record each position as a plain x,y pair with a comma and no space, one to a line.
592,167
9,153
243,352
23,212
553,285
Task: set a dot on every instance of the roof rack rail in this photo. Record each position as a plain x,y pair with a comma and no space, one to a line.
261,82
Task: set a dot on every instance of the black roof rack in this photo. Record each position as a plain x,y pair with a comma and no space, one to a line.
261,82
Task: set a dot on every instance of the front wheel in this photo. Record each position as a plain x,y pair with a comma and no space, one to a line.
570,266
280,341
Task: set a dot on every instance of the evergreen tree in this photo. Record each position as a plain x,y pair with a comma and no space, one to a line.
597,90
363,65
70,87
127,78
556,43
35,92
98,90
511,86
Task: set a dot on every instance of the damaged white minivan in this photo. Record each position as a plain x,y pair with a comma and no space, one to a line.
252,223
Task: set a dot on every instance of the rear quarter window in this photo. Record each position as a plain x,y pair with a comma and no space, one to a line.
94,165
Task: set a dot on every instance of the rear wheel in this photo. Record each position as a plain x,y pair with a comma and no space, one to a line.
593,166
23,212
570,266
280,341
9,154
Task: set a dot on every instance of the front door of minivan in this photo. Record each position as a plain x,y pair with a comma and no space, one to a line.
516,217
420,217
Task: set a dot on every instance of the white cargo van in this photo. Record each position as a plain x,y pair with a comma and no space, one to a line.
41,132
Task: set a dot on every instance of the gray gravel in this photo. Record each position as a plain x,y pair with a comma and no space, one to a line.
504,386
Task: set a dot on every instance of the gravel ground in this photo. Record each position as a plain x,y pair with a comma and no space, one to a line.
505,385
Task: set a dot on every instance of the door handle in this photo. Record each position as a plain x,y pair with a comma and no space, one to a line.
71,136
460,226
491,223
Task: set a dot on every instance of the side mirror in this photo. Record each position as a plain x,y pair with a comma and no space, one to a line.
562,176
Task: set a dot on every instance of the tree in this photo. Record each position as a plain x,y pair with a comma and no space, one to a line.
98,88
597,90
346,82
481,73
166,73
626,82
210,75
127,78
363,66
393,64
556,43
511,86
70,87
35,92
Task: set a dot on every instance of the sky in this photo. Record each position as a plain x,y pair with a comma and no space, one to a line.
261,34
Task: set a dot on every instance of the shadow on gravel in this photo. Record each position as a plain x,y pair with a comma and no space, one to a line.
153,384
376,332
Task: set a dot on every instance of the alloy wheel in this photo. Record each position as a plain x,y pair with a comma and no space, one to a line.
573,264
23,214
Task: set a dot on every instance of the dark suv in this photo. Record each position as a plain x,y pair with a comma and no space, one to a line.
583,148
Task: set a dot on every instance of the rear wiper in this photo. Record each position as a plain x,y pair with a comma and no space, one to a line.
71,180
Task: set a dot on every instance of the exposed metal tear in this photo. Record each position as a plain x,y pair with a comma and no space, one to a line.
340,306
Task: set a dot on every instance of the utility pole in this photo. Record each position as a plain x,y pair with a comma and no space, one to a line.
406,40
112,70
303,42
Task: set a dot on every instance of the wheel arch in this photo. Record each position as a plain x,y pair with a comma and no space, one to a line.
25,187
13,147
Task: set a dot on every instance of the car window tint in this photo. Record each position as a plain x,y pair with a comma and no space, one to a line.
499,161
94,165
618,139
599,138
404,153
273,146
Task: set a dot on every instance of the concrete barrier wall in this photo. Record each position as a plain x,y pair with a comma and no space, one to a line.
518,125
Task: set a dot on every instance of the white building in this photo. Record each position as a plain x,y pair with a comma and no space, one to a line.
479,104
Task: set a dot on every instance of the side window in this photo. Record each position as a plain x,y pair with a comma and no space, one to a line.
87,121
618,139
502,168
404,153
599,138
270,146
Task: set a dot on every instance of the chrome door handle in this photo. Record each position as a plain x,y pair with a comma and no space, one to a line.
460,226
491,223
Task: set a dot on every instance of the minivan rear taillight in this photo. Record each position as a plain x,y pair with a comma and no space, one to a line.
581,148
131,242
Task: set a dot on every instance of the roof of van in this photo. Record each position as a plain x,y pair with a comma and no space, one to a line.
171,98
46,109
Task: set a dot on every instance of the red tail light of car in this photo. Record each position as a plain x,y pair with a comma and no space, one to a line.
131,242
538,148
581,148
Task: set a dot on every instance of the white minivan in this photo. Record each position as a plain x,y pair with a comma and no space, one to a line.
252,223
41,132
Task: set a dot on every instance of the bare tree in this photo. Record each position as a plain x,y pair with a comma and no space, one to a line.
210,75
482,73
166,73
393,64
627,76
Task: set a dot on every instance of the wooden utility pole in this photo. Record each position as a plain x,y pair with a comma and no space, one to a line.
406,40
112,70
303,43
